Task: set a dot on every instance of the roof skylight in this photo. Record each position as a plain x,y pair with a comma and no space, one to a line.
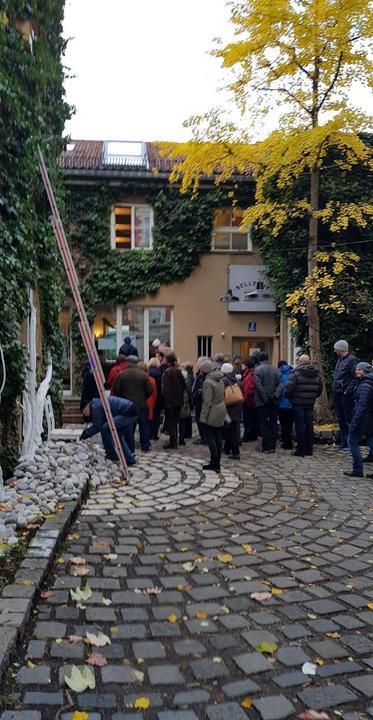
125,152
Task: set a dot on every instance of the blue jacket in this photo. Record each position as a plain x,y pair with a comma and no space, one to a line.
118,406
283,402
362,419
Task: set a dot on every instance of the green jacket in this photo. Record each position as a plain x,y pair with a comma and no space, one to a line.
214,411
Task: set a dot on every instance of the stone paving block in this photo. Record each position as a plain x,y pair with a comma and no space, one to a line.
117,674
360,644
164,629
21,715
295,631
234,622
208,669
320,698
191,697
189,647
201,627
49,630
290,679
149,649
177,715
325,607
165,675
341,668
291,656
39,675
274,707
240,688
100,614
96,702
43,698
254,637
131,631
252,663
67,650
225,711
328,649
363,683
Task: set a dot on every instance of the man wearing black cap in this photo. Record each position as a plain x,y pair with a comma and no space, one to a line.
362,419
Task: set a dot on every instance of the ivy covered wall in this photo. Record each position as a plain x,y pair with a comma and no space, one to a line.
32,112
181,233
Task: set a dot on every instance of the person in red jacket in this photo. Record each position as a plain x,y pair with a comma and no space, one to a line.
120,365
250,416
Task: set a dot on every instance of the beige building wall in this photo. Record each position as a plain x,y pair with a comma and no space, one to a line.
197,310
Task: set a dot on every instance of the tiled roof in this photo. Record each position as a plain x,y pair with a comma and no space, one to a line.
88,155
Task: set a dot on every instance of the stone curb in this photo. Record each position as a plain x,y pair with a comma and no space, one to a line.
18,599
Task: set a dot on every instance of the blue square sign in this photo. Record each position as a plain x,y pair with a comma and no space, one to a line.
251,326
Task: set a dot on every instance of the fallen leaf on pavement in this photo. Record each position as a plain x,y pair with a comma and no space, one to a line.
246,703
80,571
78,561
110,556
172,618
96,659
320,662
370,606
80,680
313,715
188,566
81,593
80,715
106,601
152,591
261,596
248,549
138,675
334,635
309,668
276,591
201,614
266,647
30,664
225,557
98,640
141,703
75,638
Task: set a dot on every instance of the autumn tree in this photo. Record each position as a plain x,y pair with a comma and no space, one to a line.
296,60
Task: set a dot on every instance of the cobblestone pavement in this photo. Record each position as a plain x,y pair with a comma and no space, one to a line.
177,563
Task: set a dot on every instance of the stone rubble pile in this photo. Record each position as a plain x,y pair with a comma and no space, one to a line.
57,474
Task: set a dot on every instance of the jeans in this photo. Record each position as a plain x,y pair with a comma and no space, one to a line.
125,426
231,435
214,440
172,420
144,428
344,408
250,423
286,418
303,415
353,443
267,414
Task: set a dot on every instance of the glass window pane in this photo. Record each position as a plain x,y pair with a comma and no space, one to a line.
105,333
239,241
133,326
142,227
159,327
221,240
237,216
123,227
222,218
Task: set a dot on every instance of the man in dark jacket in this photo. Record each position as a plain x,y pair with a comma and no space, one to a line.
362,418
267,379
134,384
303,387
343,389
124,416
128,348
173,386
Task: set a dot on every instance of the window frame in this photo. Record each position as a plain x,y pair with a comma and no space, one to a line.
231,230
133,206
204,344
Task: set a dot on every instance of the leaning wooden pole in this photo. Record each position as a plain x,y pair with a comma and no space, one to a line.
84,326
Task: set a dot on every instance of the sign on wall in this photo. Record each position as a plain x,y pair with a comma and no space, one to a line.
249,284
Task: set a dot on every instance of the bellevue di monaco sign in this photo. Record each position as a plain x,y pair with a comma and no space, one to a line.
250,285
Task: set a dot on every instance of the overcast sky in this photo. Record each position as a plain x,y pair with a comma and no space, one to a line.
142,66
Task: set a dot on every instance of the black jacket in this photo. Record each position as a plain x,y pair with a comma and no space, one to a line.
362,419
173,386
344,378
128,349
89,387
304,385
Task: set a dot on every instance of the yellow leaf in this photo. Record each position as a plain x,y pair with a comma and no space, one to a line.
246,702
4,18
201,614
26,582
320,662
58,640
30,664
370,606
80,715
276,591
172,618
184,549
60,561
225,558
141,703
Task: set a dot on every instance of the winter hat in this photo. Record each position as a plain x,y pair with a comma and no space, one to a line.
364,366
127,340
226,368
341,345
206,366
132,359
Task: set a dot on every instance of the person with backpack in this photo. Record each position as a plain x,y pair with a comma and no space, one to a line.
267,380
362,419
233,398
285,408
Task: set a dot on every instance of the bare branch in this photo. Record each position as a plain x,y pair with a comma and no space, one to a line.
330,88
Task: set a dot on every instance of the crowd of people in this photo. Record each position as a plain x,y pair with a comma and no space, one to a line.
225,394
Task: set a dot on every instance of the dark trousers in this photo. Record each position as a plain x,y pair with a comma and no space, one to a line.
303,415
353,443
155,423
214,441
267,414
183,427
201,426
344,408
144,428
231,435
250,423
286,418
172,420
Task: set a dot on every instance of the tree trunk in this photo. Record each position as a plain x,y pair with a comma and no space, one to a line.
323,411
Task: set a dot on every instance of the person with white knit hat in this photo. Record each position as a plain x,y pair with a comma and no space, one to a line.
343,389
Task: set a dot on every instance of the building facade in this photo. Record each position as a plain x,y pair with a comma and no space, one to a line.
126,221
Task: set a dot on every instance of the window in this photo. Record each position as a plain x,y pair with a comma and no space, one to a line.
131,227
127,153
204,345
227,234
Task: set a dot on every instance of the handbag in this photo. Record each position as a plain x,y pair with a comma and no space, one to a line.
233,394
